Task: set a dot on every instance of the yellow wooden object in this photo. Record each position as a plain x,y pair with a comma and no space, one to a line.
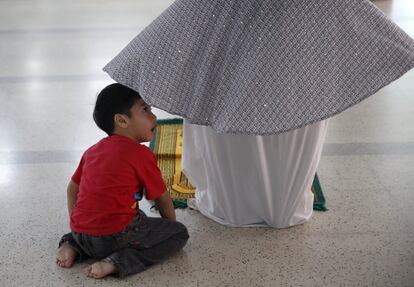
168,149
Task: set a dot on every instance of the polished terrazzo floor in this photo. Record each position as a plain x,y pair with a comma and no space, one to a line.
51,55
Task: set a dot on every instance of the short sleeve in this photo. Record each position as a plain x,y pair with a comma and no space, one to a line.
150,175
76,177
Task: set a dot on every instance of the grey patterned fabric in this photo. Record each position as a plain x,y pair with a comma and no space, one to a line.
263,66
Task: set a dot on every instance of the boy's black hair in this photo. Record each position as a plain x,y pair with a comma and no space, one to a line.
113,99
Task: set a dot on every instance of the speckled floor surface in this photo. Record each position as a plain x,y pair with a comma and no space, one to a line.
51,55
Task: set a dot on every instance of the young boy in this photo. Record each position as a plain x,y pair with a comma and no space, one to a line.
103,194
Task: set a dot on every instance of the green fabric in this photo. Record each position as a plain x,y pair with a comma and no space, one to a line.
319,201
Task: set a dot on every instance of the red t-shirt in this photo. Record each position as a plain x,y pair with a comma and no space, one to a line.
109,174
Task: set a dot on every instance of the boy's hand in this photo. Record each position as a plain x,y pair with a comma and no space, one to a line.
165,206
72,194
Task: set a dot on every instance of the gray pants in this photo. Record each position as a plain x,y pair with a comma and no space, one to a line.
145,241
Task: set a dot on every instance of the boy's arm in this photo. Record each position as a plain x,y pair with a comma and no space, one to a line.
72,194
165,206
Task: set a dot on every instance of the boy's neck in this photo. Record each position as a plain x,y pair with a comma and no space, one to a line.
124,134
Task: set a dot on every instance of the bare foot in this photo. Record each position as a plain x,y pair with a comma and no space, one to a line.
65,256
100,269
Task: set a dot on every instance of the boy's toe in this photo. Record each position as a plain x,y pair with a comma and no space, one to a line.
60,263
88,270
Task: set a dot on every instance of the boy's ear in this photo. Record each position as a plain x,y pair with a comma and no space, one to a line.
121,120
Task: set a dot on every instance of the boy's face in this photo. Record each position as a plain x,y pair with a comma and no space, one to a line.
142,122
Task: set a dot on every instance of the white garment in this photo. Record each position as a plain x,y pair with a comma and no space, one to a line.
247,180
